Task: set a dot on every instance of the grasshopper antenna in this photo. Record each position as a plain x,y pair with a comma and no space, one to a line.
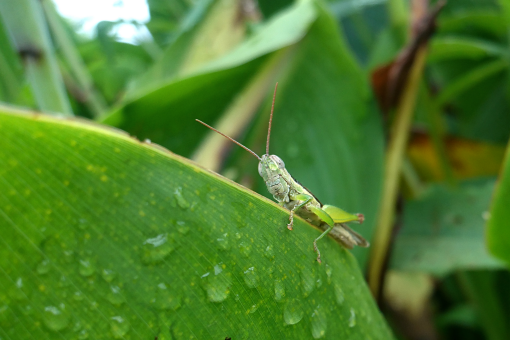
270,120
231,139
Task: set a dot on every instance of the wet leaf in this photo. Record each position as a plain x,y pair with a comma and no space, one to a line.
107,237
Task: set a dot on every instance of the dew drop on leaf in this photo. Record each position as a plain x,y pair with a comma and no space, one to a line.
182,227
293,312
181,201
318,322
222,242
339,293
86,268
19,291
115,296
167,299
269,252
352,318
78,296
108,275
156,249
217,287
55,318
119,327
251,278
43,267
307,281
328,272
83,334
279,290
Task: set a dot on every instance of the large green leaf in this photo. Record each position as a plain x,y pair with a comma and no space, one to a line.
164,113
498,233
443,230
107,237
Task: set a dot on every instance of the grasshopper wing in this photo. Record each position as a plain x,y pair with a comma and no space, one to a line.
348,237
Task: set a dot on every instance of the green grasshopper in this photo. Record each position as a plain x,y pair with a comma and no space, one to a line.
290,194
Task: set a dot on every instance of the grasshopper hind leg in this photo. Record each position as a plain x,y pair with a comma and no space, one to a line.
315,248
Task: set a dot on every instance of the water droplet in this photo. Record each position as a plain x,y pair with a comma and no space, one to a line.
307,281
84,334
217,287
222,242
86,268
147,140
83,223
182,227
181,201
318,322
108,275
352,318
245,249
328,273
68,256
218,268
19,292
167,299
279,290
339,293
251,278
156,249
43,267
63,282
27,310
55,318
115,296
269,252
78,296
293,312
253,309
119,327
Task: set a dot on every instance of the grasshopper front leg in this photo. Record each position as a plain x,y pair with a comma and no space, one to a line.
301,197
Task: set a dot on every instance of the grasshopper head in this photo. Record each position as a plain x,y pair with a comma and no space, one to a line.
270,165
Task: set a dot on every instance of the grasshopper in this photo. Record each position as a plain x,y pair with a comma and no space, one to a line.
290,194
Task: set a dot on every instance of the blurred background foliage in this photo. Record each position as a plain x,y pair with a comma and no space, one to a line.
441,264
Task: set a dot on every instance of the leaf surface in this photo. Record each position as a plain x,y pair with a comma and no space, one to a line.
107,237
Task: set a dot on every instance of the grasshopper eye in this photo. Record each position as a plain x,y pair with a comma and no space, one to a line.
261,173
278,161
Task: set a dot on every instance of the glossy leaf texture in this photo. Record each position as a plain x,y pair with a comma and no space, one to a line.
106,237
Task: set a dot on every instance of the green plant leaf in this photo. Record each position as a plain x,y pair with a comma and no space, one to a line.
107,237
452,47
29,34
444,230
166,113
498,231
